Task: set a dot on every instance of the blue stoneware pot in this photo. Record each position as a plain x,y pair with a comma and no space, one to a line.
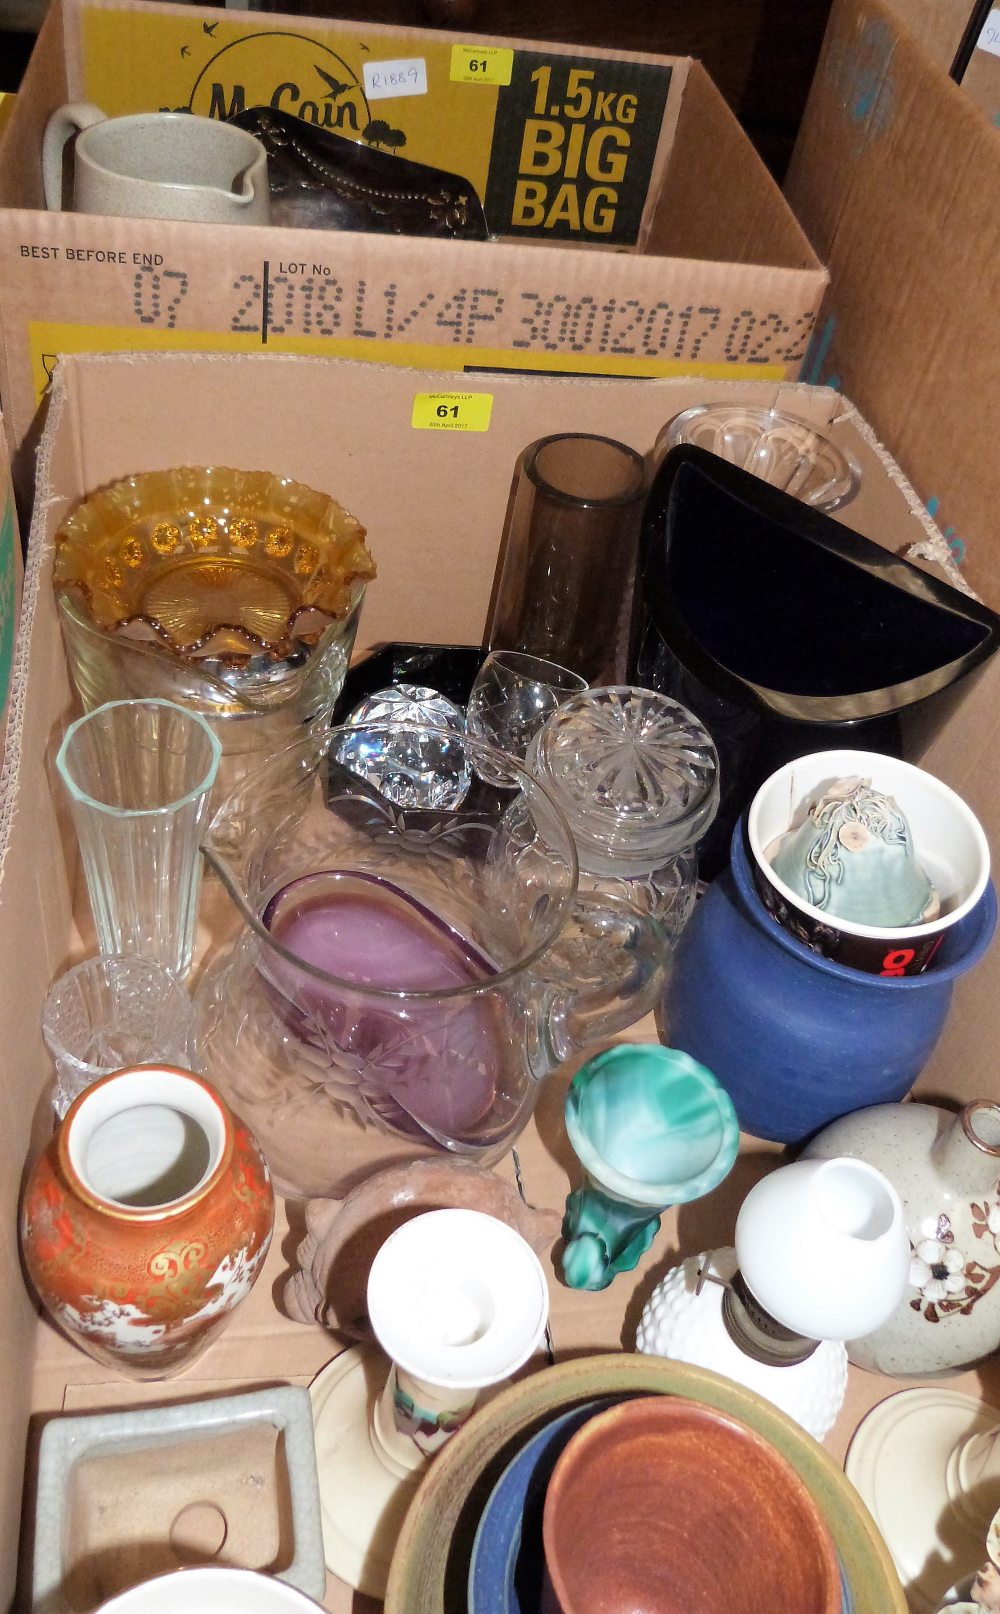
795,1039
507,1569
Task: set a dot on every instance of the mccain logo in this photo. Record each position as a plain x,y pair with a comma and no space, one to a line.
312,82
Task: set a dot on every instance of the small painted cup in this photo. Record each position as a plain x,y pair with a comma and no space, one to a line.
948,840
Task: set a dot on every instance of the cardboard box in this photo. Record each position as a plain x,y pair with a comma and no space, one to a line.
940,27
896,178
11,577
434,503
571,153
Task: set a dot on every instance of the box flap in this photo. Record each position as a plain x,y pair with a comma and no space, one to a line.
940,26
896,177
717,198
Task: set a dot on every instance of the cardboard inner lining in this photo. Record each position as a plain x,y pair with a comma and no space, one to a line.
435,527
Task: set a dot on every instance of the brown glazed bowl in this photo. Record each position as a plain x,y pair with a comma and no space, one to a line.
430,1566
665,1503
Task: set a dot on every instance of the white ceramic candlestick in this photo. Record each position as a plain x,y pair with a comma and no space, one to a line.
927,1464
457,1301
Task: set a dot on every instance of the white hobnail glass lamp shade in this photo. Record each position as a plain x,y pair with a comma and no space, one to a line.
457,1298
822,1245
682,1320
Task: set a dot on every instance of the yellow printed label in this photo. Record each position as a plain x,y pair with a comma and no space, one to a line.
481,64
452,411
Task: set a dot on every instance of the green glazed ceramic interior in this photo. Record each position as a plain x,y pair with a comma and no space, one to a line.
651,1125
431,1564
853,858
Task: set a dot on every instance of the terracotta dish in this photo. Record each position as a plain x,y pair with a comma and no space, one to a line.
663,1503
343,1235
430,1567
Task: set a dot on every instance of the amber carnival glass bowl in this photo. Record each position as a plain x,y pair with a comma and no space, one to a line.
213,564
233,593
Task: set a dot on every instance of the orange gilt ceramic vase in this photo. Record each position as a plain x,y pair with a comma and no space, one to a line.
147,1219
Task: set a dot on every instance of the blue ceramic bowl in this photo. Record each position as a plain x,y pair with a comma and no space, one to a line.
507,1566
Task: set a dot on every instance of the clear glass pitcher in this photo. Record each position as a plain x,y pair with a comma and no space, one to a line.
400,964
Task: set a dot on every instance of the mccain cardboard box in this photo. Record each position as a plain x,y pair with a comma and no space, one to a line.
705,270
112,415
896,178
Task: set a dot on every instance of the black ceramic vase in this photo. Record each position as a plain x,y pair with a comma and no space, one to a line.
785,632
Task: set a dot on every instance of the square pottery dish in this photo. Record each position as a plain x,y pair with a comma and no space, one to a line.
123,1496
430,1569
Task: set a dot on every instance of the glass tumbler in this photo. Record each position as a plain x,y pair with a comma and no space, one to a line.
511,698
139,775
107,1013
569,552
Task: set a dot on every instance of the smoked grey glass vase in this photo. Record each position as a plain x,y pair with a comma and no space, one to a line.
568,555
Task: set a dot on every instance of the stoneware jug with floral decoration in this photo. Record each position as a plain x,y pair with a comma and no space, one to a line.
946,1169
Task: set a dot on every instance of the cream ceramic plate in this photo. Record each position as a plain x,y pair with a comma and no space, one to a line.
430,1567
905,1462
